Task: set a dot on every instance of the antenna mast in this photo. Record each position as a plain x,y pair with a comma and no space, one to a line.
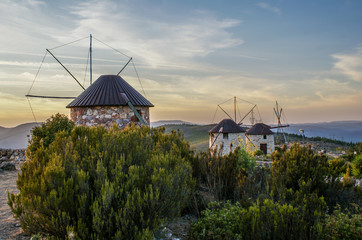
90,58
235,107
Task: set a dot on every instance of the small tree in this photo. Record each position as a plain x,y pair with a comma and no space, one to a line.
42,136
94,183
296,165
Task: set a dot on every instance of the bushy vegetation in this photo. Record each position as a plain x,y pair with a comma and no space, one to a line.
340,225
263,220
95,183
222,175
294,199
99,183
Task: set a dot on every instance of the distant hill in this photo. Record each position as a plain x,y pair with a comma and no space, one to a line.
16,137
170,122
348,131
197,135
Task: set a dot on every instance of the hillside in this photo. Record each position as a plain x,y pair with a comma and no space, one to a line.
198,137
16,137
348,131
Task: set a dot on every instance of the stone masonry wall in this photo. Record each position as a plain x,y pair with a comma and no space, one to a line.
225,146
10,158
107,115
258,139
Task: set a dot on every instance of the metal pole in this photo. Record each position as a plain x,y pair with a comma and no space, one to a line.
224,111
235,107
90,57
125,98
124,66
66,69
246,115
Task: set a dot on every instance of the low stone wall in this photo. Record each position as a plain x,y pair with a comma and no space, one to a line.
9,158
106,116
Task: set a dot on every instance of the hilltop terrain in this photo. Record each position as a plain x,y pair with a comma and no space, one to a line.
16,137
197,134
348,131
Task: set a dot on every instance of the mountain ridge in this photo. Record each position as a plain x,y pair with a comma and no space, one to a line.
348,131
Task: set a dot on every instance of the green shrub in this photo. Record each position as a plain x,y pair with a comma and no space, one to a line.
341,225
94,183
357,166
222,175
262,220
298,164
336,168
219,221
43,135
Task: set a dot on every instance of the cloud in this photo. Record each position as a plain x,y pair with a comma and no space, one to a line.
266,6
158,40
350,64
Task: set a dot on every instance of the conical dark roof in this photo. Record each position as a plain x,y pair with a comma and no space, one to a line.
259,129
228,126
106,91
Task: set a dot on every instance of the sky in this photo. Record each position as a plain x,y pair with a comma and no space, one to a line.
188,56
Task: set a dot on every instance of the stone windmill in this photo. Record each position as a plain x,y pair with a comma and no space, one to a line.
228,134
110,99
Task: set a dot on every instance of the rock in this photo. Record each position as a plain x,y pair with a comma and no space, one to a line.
164,234
3,159
7,166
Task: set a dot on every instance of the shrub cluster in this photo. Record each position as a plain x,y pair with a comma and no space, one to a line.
99,183
95,183
271,220
289,201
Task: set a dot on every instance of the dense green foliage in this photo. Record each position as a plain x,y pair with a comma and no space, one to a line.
291,200
262,220
95,183
223,175
295,166
44,135
271,220
98,183
341,225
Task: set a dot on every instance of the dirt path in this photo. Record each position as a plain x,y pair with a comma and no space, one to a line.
9,227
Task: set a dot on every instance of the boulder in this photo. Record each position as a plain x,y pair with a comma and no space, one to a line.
9,166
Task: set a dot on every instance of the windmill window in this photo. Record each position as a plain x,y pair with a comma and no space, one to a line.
225,136
264,137
134,118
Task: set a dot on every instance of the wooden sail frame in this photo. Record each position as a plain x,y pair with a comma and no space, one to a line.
28,95
251,111
278,113
66,69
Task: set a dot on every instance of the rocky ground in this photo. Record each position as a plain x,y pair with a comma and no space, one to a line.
9,226
10,161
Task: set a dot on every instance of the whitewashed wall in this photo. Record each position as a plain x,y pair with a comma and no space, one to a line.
254,141
225,146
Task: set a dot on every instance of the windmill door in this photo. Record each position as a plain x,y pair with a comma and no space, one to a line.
263,147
